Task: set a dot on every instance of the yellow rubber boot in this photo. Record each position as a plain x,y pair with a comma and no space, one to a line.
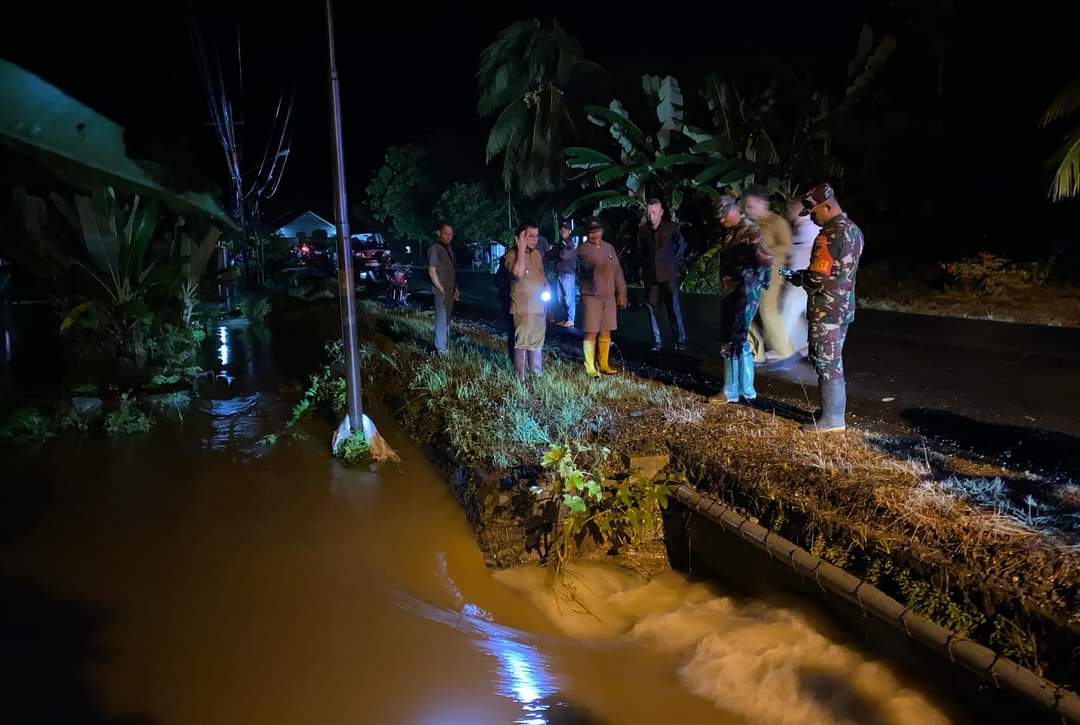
590,353
605,348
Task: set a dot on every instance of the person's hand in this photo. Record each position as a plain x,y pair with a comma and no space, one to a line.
521,240
457,294
623,303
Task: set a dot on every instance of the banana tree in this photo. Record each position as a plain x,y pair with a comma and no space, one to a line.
663,164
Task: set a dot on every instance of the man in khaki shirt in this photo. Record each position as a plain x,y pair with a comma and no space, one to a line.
769,331
528,301
603,288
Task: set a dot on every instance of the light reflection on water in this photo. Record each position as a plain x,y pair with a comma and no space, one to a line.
524,672
224,349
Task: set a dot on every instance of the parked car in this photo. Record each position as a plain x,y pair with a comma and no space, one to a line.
372,261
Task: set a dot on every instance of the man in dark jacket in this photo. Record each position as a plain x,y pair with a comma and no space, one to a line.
564,259
661,247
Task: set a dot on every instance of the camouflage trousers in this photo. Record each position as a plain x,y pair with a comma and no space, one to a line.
827,349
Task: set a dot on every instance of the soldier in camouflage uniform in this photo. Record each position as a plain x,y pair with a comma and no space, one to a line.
830,283
742,262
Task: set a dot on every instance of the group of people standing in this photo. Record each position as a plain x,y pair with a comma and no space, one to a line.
787,282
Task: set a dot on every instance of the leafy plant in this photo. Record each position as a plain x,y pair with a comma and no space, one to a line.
171,352
195,258
127,419
255,309
615,512
26,424
354,450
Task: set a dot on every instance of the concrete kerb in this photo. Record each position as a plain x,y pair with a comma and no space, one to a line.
989,666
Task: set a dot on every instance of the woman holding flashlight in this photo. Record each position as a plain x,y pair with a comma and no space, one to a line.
529,293
603,288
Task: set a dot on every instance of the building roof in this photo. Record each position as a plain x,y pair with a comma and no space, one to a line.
306,224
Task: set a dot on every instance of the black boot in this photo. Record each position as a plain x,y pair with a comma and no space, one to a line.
833,407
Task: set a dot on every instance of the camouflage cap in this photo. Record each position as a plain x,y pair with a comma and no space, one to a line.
724,203
594,223
817,194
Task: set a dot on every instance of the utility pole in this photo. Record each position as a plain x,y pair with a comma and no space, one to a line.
346,283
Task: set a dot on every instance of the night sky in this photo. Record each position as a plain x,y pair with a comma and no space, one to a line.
411,73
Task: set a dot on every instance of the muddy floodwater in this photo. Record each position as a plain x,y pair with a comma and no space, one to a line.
191,576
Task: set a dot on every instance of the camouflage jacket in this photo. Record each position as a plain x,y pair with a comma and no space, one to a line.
741,259
830,278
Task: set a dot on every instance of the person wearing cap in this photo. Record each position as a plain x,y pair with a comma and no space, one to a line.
661,248
564,256
743,261
527,304
603,287
830,284
768,332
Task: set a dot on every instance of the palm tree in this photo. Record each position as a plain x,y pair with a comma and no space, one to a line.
1065,182
524,77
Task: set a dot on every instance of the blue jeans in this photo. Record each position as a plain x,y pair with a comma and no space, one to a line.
444,309
567,289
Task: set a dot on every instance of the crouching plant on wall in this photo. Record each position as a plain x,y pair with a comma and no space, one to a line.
611,510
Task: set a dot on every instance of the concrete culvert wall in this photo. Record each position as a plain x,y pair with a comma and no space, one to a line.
994,684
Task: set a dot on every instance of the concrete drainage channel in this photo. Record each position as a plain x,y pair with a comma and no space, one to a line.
986,672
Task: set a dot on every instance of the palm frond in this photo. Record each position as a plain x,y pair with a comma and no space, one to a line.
1066,103
508,129
1065,182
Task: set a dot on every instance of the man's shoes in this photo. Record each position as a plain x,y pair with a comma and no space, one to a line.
657,347
680,347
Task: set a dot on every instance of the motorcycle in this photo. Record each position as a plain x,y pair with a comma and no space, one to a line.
399,284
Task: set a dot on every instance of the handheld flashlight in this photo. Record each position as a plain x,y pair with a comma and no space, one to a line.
545,296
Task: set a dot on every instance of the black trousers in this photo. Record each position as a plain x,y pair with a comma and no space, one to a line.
668,294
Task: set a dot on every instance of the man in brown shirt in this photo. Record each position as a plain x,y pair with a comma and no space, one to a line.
769,332
603,287
528,303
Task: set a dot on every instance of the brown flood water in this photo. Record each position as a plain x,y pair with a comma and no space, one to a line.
191,577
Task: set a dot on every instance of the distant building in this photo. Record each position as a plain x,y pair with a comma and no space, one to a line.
304,227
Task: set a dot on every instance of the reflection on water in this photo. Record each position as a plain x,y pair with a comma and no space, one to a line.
223,347
525,675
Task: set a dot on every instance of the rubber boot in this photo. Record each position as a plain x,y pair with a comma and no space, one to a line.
604,347
833,404
589,346
730,393
746,375
520,364
536,362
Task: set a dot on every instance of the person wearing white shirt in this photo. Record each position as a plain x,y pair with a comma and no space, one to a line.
793,298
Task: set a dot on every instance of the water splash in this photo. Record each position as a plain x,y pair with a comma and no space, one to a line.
766,662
